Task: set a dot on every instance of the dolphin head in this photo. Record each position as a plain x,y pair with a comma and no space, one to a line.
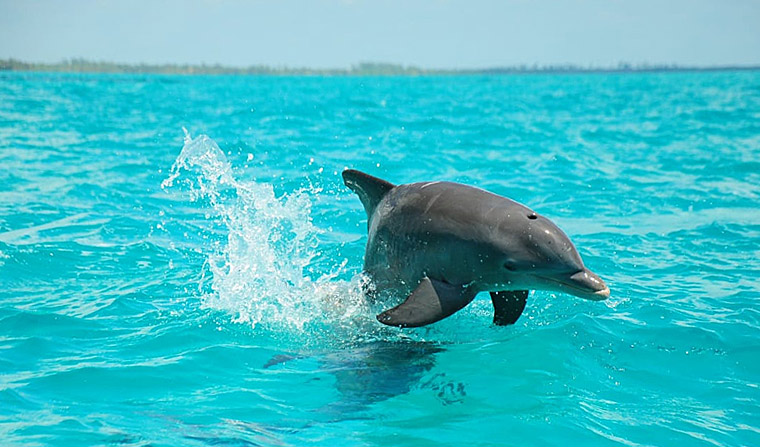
533,253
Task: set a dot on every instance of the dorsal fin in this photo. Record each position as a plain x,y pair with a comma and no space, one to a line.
369,189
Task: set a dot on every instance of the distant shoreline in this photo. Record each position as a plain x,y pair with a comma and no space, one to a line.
363,69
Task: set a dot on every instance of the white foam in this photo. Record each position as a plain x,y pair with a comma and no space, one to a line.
258,274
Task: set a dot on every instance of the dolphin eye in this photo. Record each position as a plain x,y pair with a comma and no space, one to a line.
532,216
510,267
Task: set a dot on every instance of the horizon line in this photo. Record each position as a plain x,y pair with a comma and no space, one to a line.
81,65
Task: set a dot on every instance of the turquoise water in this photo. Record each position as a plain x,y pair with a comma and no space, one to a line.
165,289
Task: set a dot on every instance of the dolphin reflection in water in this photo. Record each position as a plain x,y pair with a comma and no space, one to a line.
378,371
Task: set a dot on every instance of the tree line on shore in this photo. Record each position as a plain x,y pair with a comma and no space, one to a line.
362,69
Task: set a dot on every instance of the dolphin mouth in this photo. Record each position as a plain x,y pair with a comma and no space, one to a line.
584,284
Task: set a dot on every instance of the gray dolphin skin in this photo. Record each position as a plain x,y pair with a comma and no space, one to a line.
438,244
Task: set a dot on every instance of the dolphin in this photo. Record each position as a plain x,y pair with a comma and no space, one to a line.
438,244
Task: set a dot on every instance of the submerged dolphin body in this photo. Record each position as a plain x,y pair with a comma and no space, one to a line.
368,373
440,243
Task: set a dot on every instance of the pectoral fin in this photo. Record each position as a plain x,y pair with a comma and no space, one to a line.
508,306
431,301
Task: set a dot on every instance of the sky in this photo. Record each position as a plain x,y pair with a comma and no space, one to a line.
423,33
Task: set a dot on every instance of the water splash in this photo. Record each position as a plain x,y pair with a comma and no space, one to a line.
259,272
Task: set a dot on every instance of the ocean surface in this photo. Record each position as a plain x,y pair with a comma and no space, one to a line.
201,287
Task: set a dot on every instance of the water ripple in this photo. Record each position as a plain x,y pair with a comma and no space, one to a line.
225,309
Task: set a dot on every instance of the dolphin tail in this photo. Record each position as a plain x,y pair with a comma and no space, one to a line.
369,189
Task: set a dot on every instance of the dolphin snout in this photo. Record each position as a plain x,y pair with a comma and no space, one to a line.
589,284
